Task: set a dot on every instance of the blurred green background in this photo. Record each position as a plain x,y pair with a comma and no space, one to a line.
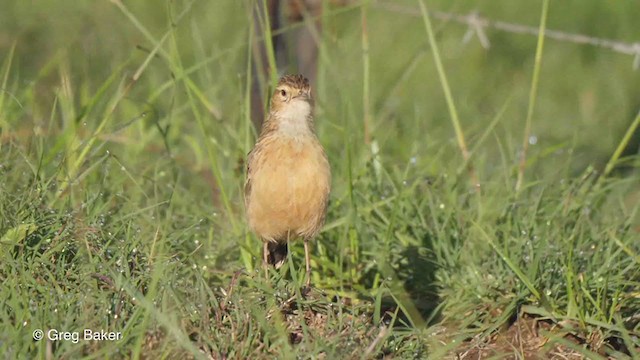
587,95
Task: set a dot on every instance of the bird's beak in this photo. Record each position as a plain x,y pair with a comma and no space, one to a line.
304,94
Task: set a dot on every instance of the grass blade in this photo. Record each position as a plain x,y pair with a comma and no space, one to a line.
533,92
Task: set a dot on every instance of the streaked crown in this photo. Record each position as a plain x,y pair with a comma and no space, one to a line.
297,82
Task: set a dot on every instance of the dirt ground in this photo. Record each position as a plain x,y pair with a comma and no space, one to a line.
531,338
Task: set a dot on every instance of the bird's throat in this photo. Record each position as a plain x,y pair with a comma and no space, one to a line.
294,119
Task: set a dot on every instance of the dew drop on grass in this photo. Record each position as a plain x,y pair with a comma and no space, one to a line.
33,306
533,140
441,206
413,160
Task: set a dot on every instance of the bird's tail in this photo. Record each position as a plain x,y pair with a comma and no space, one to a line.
277,253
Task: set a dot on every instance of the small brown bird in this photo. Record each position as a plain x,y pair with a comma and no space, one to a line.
288,175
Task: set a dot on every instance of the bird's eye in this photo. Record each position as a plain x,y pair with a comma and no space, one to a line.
283,93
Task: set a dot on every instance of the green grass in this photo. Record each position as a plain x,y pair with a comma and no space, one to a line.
123,133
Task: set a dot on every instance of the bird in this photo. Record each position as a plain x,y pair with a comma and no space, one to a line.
288,177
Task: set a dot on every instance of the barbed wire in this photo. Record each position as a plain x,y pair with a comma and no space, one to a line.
477,25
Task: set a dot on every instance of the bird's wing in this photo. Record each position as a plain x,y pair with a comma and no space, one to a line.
247,183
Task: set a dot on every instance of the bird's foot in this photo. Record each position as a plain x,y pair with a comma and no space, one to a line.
305,290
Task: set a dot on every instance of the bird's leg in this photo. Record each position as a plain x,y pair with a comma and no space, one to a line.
307,261
265,259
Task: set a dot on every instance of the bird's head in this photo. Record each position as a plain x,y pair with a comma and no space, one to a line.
292,96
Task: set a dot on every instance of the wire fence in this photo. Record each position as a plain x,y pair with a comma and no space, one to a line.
477,25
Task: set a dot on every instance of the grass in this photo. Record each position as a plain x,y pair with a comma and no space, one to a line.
123,133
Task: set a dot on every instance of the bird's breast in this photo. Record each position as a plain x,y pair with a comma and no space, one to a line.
290,183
